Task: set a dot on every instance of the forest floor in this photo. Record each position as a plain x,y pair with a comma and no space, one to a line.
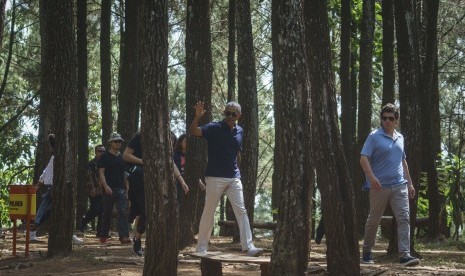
93,258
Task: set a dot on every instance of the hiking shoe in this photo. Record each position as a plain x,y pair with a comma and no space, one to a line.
368,258
137,247
33,236
254,252
408,260
77,240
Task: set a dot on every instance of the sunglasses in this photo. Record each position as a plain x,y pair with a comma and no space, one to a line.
100,150
230,114
118,141
385,118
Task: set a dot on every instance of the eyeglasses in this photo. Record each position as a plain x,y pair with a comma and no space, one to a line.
118,141
100,150
385,118
230,114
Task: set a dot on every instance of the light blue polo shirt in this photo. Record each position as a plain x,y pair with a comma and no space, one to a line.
385,154
224,144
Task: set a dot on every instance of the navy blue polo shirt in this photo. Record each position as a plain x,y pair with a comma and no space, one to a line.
223,147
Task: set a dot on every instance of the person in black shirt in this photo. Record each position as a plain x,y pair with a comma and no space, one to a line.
133,155
112,173
94,188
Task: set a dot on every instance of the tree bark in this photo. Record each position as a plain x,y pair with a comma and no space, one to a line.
247,92
231,50
58,77
290,77
347,109
328,155
160,188
430,152
367,29
409,68
198,87
83,121
105,70
389,74
128,111
43,151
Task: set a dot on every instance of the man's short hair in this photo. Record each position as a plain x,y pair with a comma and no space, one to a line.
234,105
390,108
97,147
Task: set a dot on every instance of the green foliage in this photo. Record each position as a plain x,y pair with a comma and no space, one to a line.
451,181
423,202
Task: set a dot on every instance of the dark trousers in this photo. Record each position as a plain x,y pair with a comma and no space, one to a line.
45,208
320,231
118,197
179,193
137,197
95,210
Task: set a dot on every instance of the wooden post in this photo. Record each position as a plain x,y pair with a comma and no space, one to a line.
14,236
210,268
28,220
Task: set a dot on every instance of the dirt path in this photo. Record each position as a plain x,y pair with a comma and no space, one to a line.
93,258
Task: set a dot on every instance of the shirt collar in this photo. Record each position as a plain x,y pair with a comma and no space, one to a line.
395,135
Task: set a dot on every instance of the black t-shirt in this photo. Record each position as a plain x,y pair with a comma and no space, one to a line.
114,169
136,145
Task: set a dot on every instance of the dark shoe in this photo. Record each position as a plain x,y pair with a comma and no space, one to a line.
137,247
82,226
409,261
368,258
103,240
125,240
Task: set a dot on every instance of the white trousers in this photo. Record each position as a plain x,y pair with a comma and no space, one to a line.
232,187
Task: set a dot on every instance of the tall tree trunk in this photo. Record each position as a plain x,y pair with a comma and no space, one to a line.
388,91
162,211
199,73
367,29
247,93
58,77
358,176
429,151
328,155
105,70
347,109
291,242
389,75
43,151
226,205
231,50
128,111
83,122
444,228
409,68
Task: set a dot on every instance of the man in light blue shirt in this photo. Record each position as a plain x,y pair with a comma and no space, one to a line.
388,179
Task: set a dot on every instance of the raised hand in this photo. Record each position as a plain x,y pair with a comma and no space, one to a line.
199,109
